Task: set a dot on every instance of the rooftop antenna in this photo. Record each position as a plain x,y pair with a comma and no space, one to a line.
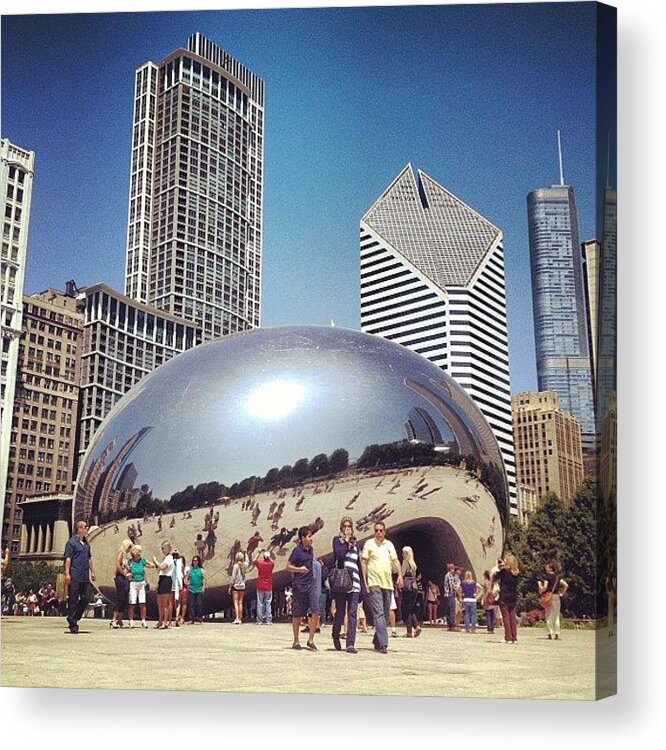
608,164
559,151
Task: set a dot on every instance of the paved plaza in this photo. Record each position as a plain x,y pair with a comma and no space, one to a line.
39,652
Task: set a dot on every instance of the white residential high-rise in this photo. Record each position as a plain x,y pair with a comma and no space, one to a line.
194,234
16,174
432,279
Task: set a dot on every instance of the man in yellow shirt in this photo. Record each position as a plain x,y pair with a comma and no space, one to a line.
377,559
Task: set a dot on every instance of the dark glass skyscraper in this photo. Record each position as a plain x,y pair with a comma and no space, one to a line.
560,328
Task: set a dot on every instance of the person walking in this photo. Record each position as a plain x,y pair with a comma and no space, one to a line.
79,572
264,565
410,593
195,580
164,585
378,558
470,590
237,587
305,594
137,584
551,588
508,576
346,556
121,580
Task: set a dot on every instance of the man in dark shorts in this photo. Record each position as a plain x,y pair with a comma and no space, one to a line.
79,572
305,594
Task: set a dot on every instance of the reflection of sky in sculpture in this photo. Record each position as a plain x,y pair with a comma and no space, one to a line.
238,406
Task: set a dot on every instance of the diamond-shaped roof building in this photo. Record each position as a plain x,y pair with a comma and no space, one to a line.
432,228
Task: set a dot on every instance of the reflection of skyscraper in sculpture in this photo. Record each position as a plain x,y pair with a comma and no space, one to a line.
432,279
106,500
560,331
85,489
421,426
127,478
194,234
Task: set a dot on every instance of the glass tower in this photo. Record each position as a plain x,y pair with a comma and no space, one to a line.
194,234
558,300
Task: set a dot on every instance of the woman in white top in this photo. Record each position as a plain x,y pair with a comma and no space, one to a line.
164,586
554,585
237,588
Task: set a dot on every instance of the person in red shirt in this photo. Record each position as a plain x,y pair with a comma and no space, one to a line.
264,565
253,543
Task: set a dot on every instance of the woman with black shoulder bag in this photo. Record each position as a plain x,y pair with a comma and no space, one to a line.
345,584
410,593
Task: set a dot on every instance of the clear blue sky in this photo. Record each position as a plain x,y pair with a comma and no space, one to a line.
472,95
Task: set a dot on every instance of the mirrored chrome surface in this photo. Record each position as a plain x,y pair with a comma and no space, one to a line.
276,428
234,408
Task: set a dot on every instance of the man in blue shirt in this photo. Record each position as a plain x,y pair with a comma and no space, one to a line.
79,572
305,592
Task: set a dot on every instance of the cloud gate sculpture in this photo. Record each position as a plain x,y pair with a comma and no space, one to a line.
275,428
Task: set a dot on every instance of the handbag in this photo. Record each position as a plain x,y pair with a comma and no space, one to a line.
340,581
546,599
409,583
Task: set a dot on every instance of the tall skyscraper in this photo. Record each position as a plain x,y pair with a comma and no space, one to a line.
606,380
123,340
432,279
17,168
549,453
592,259
558,301
194,235
42,454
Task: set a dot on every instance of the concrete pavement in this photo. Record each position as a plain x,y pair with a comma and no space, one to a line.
39,652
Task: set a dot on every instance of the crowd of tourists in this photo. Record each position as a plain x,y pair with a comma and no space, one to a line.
366,583
43,602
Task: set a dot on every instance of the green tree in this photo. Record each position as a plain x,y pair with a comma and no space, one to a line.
301,469
271,478
580,558
542,540
319,466
370,457
339,460
286,476
28,575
